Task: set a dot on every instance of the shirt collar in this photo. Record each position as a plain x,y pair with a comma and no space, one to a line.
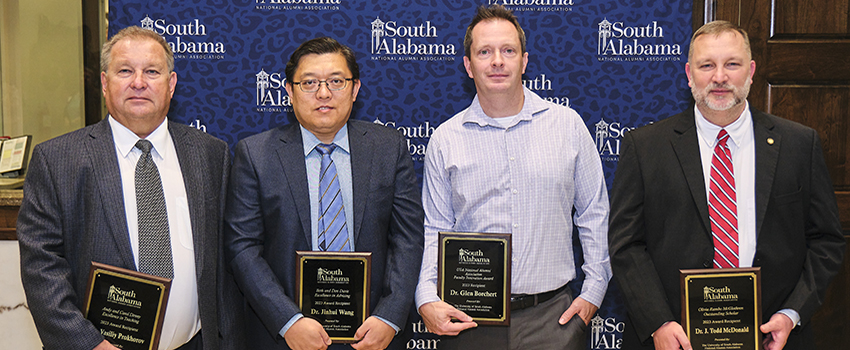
531,106
310,141
738,130
125,139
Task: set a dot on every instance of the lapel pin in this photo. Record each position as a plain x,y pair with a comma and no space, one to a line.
769,140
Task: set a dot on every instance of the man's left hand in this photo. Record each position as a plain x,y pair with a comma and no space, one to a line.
776,331
582,307
373,334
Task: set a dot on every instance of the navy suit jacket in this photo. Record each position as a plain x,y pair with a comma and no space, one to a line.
659,222
73,213
268,219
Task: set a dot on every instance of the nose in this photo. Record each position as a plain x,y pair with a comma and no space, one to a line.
324,91
498,60
138,81
720,75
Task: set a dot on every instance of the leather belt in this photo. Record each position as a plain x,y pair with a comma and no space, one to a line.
523,301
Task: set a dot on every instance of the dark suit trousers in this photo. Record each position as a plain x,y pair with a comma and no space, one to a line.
532,328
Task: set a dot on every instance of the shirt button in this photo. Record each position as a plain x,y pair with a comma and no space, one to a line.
515,191
512,158
516,225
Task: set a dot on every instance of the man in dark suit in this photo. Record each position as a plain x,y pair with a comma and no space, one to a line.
274,204
80,205
671,199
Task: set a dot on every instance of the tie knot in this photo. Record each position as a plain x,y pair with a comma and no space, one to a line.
325,149
722,137
144,145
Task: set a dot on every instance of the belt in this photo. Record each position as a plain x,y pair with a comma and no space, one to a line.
523,301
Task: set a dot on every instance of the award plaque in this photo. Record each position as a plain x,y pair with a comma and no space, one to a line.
721,308
126,306
333,288
474,275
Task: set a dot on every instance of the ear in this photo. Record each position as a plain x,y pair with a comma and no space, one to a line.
288,87
103,83
524,62
468,65
172,83
355,89
688,73
752,70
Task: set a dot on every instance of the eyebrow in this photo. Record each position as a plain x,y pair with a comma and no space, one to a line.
311,74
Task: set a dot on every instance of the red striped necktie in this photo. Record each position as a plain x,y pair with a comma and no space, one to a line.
722,207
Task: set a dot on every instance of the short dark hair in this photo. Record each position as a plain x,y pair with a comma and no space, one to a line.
321,46
493,12
716,28
135,32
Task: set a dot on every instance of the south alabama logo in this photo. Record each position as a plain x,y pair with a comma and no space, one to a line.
187,39
607,138
618,42
123,297
472,257
606,333
408,42
271,96
331,276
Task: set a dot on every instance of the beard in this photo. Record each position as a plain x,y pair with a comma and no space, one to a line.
738,96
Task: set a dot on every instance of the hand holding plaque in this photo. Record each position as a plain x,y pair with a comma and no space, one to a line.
474,275
333,288
127,306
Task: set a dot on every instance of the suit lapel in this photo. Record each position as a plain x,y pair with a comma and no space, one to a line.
104,160
686,146
767,155
361,161
193,181
290,152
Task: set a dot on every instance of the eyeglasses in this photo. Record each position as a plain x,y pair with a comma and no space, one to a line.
312,85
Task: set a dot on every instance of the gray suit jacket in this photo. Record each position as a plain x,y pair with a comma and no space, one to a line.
268,220
659,222
73,213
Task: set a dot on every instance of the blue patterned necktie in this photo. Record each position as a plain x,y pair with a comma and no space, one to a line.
333,234
154,240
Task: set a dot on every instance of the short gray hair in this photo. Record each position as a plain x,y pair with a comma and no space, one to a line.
135,32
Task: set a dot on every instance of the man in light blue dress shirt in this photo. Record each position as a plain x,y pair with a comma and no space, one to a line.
514,163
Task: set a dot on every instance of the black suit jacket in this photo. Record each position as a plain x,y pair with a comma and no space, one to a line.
268,220
659,221
73,213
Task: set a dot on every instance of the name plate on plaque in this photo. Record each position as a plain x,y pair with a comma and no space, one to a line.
126,306
333,288
721,308
474,275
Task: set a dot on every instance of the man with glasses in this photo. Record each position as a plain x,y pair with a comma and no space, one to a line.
326,183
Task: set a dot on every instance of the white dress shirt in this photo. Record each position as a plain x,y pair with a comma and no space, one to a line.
182,316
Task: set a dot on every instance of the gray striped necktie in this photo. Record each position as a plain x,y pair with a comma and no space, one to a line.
154,240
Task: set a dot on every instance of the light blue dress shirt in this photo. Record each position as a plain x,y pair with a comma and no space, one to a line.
523,178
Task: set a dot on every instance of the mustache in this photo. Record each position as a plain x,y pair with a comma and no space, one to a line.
723,86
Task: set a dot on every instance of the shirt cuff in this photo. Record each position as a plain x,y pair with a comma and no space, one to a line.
388,323
291,322
793,315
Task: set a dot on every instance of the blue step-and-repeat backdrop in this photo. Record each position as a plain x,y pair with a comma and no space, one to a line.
619,63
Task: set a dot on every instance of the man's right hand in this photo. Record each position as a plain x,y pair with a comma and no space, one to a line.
671,336
105,345
307,333
438,318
